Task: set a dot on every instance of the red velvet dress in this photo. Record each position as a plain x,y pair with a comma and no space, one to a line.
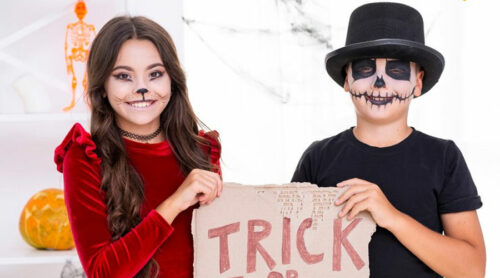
170,245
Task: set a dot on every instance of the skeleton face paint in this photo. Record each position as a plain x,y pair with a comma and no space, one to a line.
397,69
363,68
381,82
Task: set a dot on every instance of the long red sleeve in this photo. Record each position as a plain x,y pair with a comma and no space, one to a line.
152,237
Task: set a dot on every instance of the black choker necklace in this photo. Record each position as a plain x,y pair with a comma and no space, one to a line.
140,137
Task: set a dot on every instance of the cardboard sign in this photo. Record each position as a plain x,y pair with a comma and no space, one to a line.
279,231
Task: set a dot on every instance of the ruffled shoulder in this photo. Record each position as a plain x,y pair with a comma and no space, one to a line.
76,136
215,148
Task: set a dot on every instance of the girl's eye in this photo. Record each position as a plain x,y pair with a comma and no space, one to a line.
156,74
122,76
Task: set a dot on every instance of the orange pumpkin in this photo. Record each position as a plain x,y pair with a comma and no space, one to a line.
44,222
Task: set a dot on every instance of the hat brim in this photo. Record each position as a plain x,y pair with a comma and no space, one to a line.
430,60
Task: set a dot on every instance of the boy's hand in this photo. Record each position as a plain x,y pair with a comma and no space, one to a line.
362,195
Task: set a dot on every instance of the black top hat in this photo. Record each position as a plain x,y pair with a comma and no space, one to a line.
386,30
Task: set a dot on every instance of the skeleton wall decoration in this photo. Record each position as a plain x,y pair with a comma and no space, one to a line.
79,35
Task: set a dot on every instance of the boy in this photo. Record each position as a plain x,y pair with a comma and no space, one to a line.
415,186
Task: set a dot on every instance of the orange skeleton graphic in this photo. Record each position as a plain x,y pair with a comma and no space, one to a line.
79,35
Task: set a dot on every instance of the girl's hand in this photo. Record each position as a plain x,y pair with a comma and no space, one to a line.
199,186
362,195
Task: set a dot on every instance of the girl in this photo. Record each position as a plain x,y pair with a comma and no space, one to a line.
131,184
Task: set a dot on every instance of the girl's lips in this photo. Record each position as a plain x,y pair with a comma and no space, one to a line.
141,105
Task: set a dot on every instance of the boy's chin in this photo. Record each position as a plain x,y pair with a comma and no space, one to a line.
381,114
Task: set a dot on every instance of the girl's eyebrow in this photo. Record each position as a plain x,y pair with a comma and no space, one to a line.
130,69
122,67
155,65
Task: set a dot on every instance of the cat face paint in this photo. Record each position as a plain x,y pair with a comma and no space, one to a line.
381,82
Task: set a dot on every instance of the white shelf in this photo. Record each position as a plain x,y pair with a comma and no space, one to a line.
9,118
33,256
18,252
25,261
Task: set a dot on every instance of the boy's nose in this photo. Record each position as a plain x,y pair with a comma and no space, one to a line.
380,83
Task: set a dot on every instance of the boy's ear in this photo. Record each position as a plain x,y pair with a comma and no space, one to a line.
346,83
419,83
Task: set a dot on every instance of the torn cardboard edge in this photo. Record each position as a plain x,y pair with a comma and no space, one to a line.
290,230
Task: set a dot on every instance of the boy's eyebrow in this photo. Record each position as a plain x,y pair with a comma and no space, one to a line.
130,69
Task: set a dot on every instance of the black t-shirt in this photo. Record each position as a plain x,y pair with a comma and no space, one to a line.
422,176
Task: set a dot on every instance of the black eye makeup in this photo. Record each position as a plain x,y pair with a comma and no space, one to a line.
126,77
122,76
363,68
156,74
398,69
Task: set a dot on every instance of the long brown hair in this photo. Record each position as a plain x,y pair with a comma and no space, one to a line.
123,185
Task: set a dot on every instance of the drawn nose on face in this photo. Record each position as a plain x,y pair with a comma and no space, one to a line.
142,91
379,83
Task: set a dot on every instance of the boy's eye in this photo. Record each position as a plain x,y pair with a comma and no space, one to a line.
398,69
363,68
